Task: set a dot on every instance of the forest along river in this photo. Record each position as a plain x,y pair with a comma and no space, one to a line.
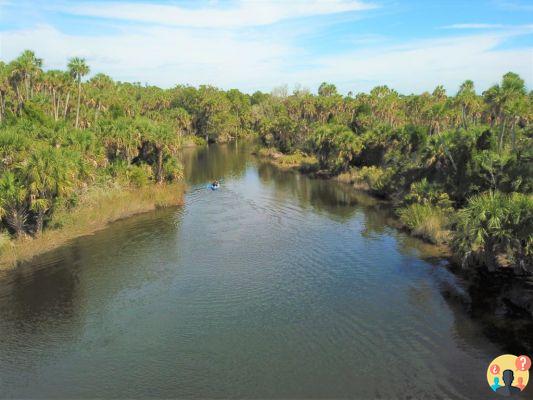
275,285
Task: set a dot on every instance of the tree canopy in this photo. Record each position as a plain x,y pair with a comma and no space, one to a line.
430,153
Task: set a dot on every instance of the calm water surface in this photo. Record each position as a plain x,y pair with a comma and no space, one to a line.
273,286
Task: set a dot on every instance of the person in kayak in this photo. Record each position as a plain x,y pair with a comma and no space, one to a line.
215,184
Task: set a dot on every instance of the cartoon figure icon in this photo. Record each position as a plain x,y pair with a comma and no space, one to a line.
496,383
508,390
508,375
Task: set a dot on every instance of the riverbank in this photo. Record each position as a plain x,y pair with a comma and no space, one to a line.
298,160
512,295
192,141
95,210
429,230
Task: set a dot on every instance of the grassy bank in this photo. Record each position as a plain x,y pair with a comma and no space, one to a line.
428,223
96,208
297,160
192,141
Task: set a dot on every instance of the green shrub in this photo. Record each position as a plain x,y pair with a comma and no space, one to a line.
429,222
379,180
192,140
118,168
173,169
336,146
297,159
372,176
495,224
140,175
281,132
423,192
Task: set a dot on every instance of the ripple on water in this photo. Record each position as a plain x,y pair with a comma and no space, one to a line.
274,286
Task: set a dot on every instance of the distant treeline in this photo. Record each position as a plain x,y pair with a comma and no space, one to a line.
458,168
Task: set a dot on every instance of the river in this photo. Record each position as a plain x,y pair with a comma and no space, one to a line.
273,286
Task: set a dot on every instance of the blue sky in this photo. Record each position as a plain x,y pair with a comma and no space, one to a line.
410,45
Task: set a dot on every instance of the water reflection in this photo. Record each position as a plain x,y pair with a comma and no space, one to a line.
276,285
205,164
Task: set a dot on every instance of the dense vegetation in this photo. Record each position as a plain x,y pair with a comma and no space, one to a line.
62,136
431,154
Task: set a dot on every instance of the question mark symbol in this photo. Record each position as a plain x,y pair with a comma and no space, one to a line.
495,368
523,363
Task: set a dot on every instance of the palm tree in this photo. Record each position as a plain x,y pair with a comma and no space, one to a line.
163,141
48,174
13,203
467,99
101,84
78,68
27,66
505,101
121,141
182,121
495,223
158,140
515,104
52,81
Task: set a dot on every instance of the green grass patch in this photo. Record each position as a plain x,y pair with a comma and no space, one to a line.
297,159
428,222
192,141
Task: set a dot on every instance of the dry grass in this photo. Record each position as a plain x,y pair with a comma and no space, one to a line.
430,223
192,141
354,178
96,209
269,152
288,161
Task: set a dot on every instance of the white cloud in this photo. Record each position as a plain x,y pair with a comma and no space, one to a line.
473,26
515,5
239,14
421,65
163,56
170,55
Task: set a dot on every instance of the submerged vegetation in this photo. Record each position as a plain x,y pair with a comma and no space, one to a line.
457,168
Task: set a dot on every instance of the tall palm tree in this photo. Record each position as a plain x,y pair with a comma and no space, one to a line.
504,101
466,98
52,84
514,97
27,66
101,85
66,87
78,69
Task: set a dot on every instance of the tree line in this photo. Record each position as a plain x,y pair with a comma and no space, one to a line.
457,168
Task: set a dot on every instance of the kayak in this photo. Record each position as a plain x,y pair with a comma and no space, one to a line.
213,187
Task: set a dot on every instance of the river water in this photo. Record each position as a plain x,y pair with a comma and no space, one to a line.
273,286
